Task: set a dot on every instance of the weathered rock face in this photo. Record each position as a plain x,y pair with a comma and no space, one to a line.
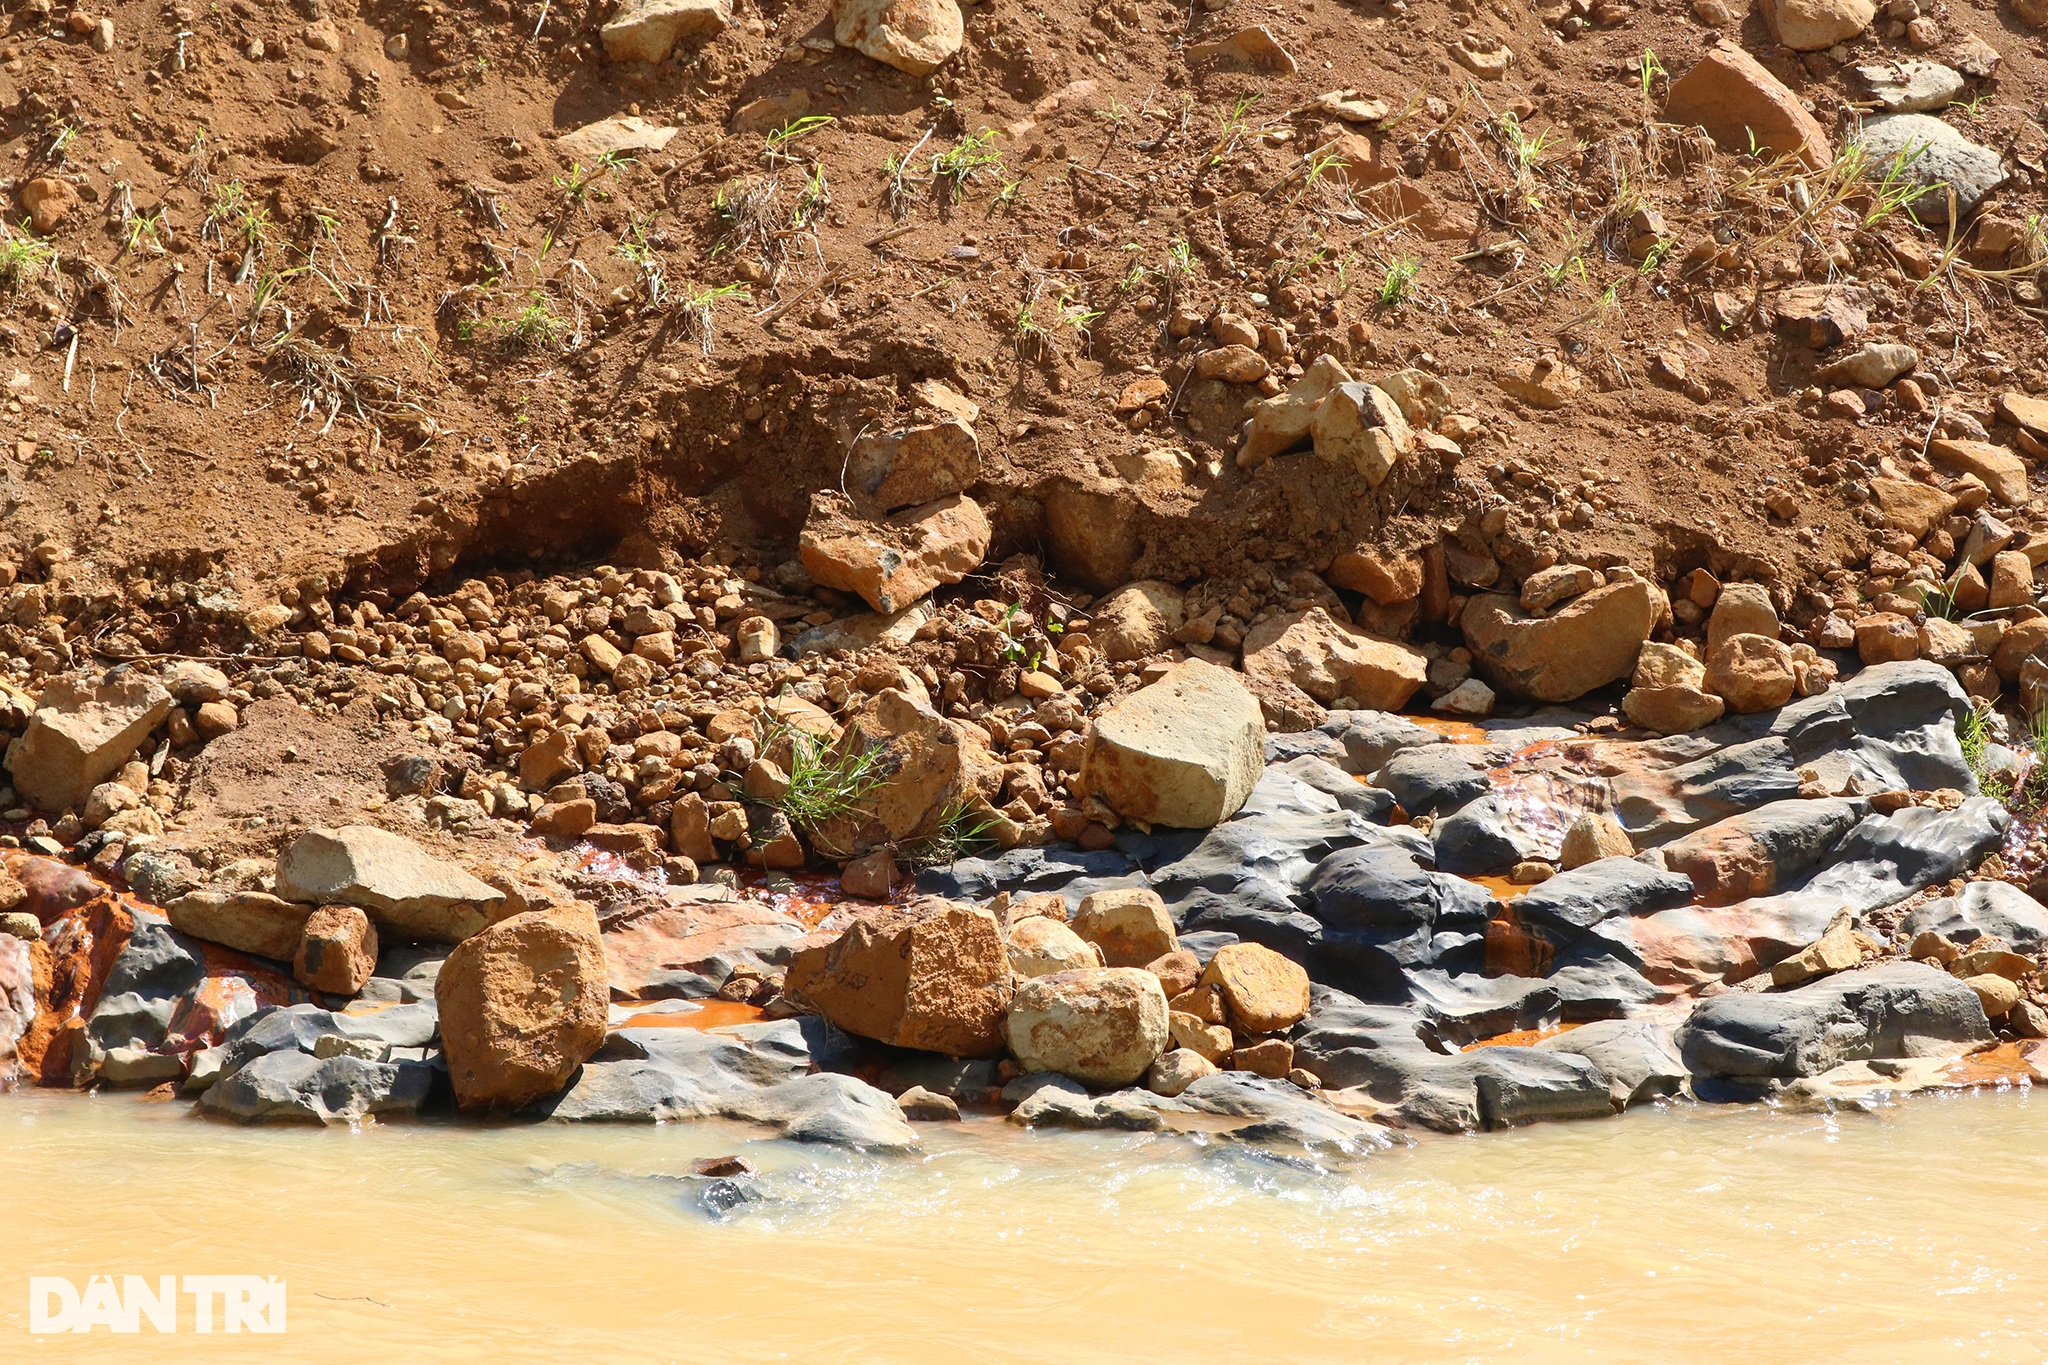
930,975
1185,751
247,921
924,766
1104,1027
338,951
522,1004
895,562
1729,93
915,464
1039,946
1937,156
1263,991
410,894
81,734
1130,927
647,30
1588,643
1326,659
1751,673
1358,426
290,1086
1901,1009
1136,620
915,36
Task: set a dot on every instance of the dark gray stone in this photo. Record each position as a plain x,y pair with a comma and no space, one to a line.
1321,775
1439,777
1933,154
1793,835
1901,1009
1033,869
159,876
651,1075
1282,1116
296,1087
1637,1057
1482,839
298,1028
828,1108
1984,909
131,1020
1397,1057
1597,891
157,961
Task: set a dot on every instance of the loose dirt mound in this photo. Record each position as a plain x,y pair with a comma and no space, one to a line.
333,298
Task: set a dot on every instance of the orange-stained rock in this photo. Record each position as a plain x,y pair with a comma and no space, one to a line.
922,767
1731,95
1751,673
1103,1026
1587,643
1263,991
1129,925
338,951
522,1005
894,562
929,974
1327,659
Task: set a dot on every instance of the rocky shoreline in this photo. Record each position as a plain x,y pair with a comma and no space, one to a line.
1388,927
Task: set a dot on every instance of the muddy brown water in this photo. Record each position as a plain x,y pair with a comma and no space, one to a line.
1732,1235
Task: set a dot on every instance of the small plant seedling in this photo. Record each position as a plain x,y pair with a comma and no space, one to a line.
582,182
24,260
1398,283
967,158
778,141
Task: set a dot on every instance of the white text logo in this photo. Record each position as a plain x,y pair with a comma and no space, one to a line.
218,1303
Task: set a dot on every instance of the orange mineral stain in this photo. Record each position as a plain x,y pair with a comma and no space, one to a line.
1527,1037
712,1014
1456,731
2006,1064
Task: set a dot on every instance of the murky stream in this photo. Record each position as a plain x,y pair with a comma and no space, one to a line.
1728,1235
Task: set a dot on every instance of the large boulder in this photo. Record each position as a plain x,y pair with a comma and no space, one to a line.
1185,751
1328,660
1589,642
296,1087
1104,1027
1740,104
647,30
920,767
80,735
247,921
408,892
1901,1009
930,974
1983,910
894,562
522,1005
